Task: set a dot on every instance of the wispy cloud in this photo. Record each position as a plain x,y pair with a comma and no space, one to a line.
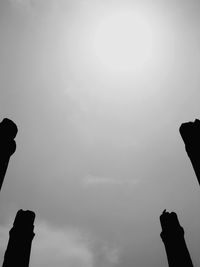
26,4
102,180
35,5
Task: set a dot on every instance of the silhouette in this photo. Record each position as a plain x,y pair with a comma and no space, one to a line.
173,238
21,236
8,131
190,133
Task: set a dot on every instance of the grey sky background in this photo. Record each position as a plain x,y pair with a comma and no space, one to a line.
99,156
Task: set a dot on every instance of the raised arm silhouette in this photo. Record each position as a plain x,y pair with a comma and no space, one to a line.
8,131
19,244
173,238
190,133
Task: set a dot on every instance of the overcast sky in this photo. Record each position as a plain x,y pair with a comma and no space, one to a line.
98,90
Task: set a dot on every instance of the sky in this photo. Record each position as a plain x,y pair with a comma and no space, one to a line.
98,90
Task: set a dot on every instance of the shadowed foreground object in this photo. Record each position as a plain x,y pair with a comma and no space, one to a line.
8,131
190,133
173,238
21,236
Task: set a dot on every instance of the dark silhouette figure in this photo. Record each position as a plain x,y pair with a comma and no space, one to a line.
8,131
21,236
173,238
190,133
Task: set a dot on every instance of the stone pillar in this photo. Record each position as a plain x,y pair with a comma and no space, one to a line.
8,131
190,133
173,238
20,241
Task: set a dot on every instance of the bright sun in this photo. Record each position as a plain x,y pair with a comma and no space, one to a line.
124,42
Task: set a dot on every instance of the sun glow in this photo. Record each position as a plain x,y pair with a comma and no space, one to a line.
119,53
124,42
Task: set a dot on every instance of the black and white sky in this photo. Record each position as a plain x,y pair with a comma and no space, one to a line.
98,89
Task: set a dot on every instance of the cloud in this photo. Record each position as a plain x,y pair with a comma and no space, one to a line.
69,247
90,180
106,256
60,247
